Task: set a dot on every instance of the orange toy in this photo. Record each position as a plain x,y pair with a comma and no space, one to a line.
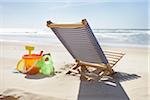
28,62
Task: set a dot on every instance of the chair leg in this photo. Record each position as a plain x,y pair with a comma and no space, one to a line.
103,73
74,68
97,71
109,68
93,75
84,76
112,73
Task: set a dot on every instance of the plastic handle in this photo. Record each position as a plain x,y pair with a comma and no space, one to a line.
41,53
29,48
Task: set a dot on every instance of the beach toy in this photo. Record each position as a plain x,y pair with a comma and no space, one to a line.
28,62
35,63
46,65
20,66
29,48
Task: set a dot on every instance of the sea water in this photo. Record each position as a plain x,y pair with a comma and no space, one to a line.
108,37
123,37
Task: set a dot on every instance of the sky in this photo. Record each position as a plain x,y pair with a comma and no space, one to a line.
103,14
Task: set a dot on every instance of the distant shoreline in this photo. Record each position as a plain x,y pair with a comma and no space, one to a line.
108,37
58,43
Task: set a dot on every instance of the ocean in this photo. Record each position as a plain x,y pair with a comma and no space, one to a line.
108,37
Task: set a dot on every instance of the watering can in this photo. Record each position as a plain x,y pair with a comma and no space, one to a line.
35,63
28,62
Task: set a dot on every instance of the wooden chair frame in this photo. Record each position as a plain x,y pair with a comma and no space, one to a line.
101,69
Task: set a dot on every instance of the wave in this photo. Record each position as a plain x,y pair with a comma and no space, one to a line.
120,30
134,38
107,36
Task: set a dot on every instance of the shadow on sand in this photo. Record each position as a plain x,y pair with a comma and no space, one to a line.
37,76
109,89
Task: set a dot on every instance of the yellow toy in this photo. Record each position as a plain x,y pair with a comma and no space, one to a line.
29,48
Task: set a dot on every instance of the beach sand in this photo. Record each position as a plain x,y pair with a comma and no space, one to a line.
130,83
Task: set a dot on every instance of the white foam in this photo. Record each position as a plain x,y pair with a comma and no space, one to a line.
126,38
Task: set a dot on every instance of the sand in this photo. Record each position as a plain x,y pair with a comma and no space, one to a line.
130,83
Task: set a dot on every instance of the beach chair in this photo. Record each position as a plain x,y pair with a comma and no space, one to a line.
91,61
